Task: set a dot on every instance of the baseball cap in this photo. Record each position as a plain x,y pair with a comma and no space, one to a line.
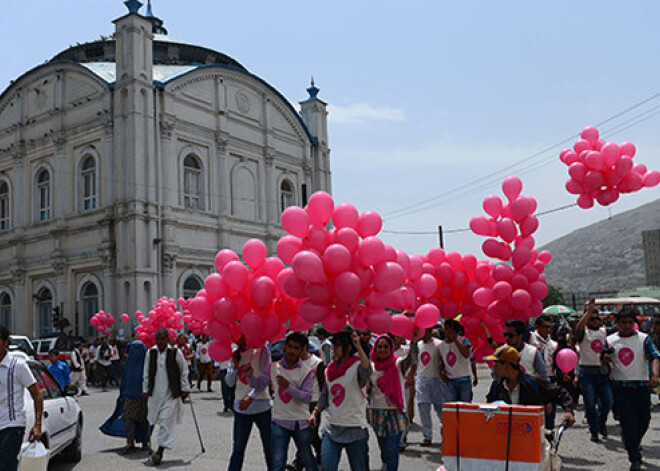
505,353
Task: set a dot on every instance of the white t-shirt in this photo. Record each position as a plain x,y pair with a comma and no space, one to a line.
629,358
427,363
15,377
203,352
456,365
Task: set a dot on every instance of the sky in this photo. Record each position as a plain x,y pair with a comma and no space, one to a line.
431,103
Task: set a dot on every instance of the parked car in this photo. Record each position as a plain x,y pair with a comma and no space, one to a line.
64,343
23,344
62,421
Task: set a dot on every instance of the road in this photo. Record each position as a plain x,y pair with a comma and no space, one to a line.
102,453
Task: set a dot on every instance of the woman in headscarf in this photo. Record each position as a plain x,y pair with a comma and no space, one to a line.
130,394
342,396
387,414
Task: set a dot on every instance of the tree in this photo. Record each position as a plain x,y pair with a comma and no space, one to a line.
554,297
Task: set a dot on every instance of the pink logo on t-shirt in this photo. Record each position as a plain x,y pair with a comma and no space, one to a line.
626,356
338,394
597,345
284,395
241,375
203,351
425,357
451,358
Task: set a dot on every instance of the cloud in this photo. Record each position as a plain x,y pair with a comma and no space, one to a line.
361,112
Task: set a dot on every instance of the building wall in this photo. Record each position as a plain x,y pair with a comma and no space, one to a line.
651,242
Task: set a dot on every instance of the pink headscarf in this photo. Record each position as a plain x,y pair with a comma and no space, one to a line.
389,383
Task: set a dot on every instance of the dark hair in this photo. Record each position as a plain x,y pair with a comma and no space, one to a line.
4,332
164,332
55,352
388,339
297,337
321,331
626,312
542,318
519,326
452,324
343,339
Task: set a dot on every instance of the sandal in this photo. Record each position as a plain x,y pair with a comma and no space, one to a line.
127,449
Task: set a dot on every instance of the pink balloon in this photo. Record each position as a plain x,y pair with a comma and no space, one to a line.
520,257
581,145
628,148
337,258
454,259
125,318
491,248
288,247
585,201
215,286
506,229
640,168
402,326
482,271
594,160
610,152
483,297
502,290
511,187
415,270
262,291
369,224
479,225
529,226
272,326
349,238
272,267
345,215
254,253
502,272
445,273
623,166
388,277
217,330
593,180
427,315
252,325
566,360
436,256
590,134
320,208
519,281
308,267
521,207
295,221
298,324
224,257
224,310
371,251
347,287
577,171
538,290
574,187
379,322
235,275
426,285
220,351
570,157
651,179
334,322
200,308
545,257
313,313
315,240
520,299
492,205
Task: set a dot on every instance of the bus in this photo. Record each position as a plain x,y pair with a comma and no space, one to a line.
645,306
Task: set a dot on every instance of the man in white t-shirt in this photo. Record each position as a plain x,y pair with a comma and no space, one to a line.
430,388
455,367
205,363
15,377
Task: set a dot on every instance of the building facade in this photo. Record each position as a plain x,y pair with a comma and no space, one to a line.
651,243
128,162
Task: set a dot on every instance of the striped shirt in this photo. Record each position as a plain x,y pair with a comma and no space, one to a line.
15,377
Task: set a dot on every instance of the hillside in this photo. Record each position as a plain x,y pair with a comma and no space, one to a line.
605,256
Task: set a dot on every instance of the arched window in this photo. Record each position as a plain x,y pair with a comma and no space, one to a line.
191,286
287,197
5,310
88,183
90,301
5,221
43,195
192,182
45,310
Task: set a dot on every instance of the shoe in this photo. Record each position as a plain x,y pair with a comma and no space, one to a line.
594,437
636,466
209,390
157,457
603,430
426,442
127,449
84,394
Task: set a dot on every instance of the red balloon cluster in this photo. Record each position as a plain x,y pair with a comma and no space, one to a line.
516,290
339,275
241,300
600,171
163,315
102,321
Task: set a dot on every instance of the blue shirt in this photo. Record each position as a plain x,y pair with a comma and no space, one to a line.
60,371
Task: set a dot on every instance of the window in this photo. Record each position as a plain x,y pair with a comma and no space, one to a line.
286,195
191,286
90,299
5,310
303,190
43,195
192,183
45,310
4,206
88,183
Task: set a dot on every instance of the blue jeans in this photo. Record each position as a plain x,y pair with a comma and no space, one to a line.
597,399
458,389
10,446
389,450
280,438
242,428
632,404
356,451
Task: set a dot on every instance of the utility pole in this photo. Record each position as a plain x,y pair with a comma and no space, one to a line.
441,238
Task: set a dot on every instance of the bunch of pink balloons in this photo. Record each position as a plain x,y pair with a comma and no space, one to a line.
242,299
338,275
102,321
600,171
163,315
512,291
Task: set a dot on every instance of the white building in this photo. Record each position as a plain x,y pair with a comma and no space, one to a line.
127,163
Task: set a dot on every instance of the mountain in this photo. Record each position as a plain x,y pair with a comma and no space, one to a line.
605,256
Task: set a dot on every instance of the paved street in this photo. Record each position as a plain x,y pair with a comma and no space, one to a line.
103,453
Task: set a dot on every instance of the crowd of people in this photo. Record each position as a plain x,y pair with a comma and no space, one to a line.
361,383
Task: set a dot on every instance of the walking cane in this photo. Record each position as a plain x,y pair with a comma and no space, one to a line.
199,434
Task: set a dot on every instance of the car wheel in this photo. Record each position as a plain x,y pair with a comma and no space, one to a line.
73,452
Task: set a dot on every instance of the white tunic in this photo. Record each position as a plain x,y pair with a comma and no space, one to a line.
456,365
378,398
162,407
629,358
346,404
427,364
285,407
313,363
591,345
252,357
527,356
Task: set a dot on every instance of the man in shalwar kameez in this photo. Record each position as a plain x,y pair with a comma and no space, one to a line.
164,383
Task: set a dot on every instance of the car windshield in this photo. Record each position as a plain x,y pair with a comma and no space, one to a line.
21,344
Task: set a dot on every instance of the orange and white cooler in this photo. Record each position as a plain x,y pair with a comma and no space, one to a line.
476,437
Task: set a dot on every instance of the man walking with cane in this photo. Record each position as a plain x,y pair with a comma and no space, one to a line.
164,382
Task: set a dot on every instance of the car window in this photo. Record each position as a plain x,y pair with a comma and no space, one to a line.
44,346
51,384
41,385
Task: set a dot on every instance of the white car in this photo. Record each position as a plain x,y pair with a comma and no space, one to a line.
62,422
